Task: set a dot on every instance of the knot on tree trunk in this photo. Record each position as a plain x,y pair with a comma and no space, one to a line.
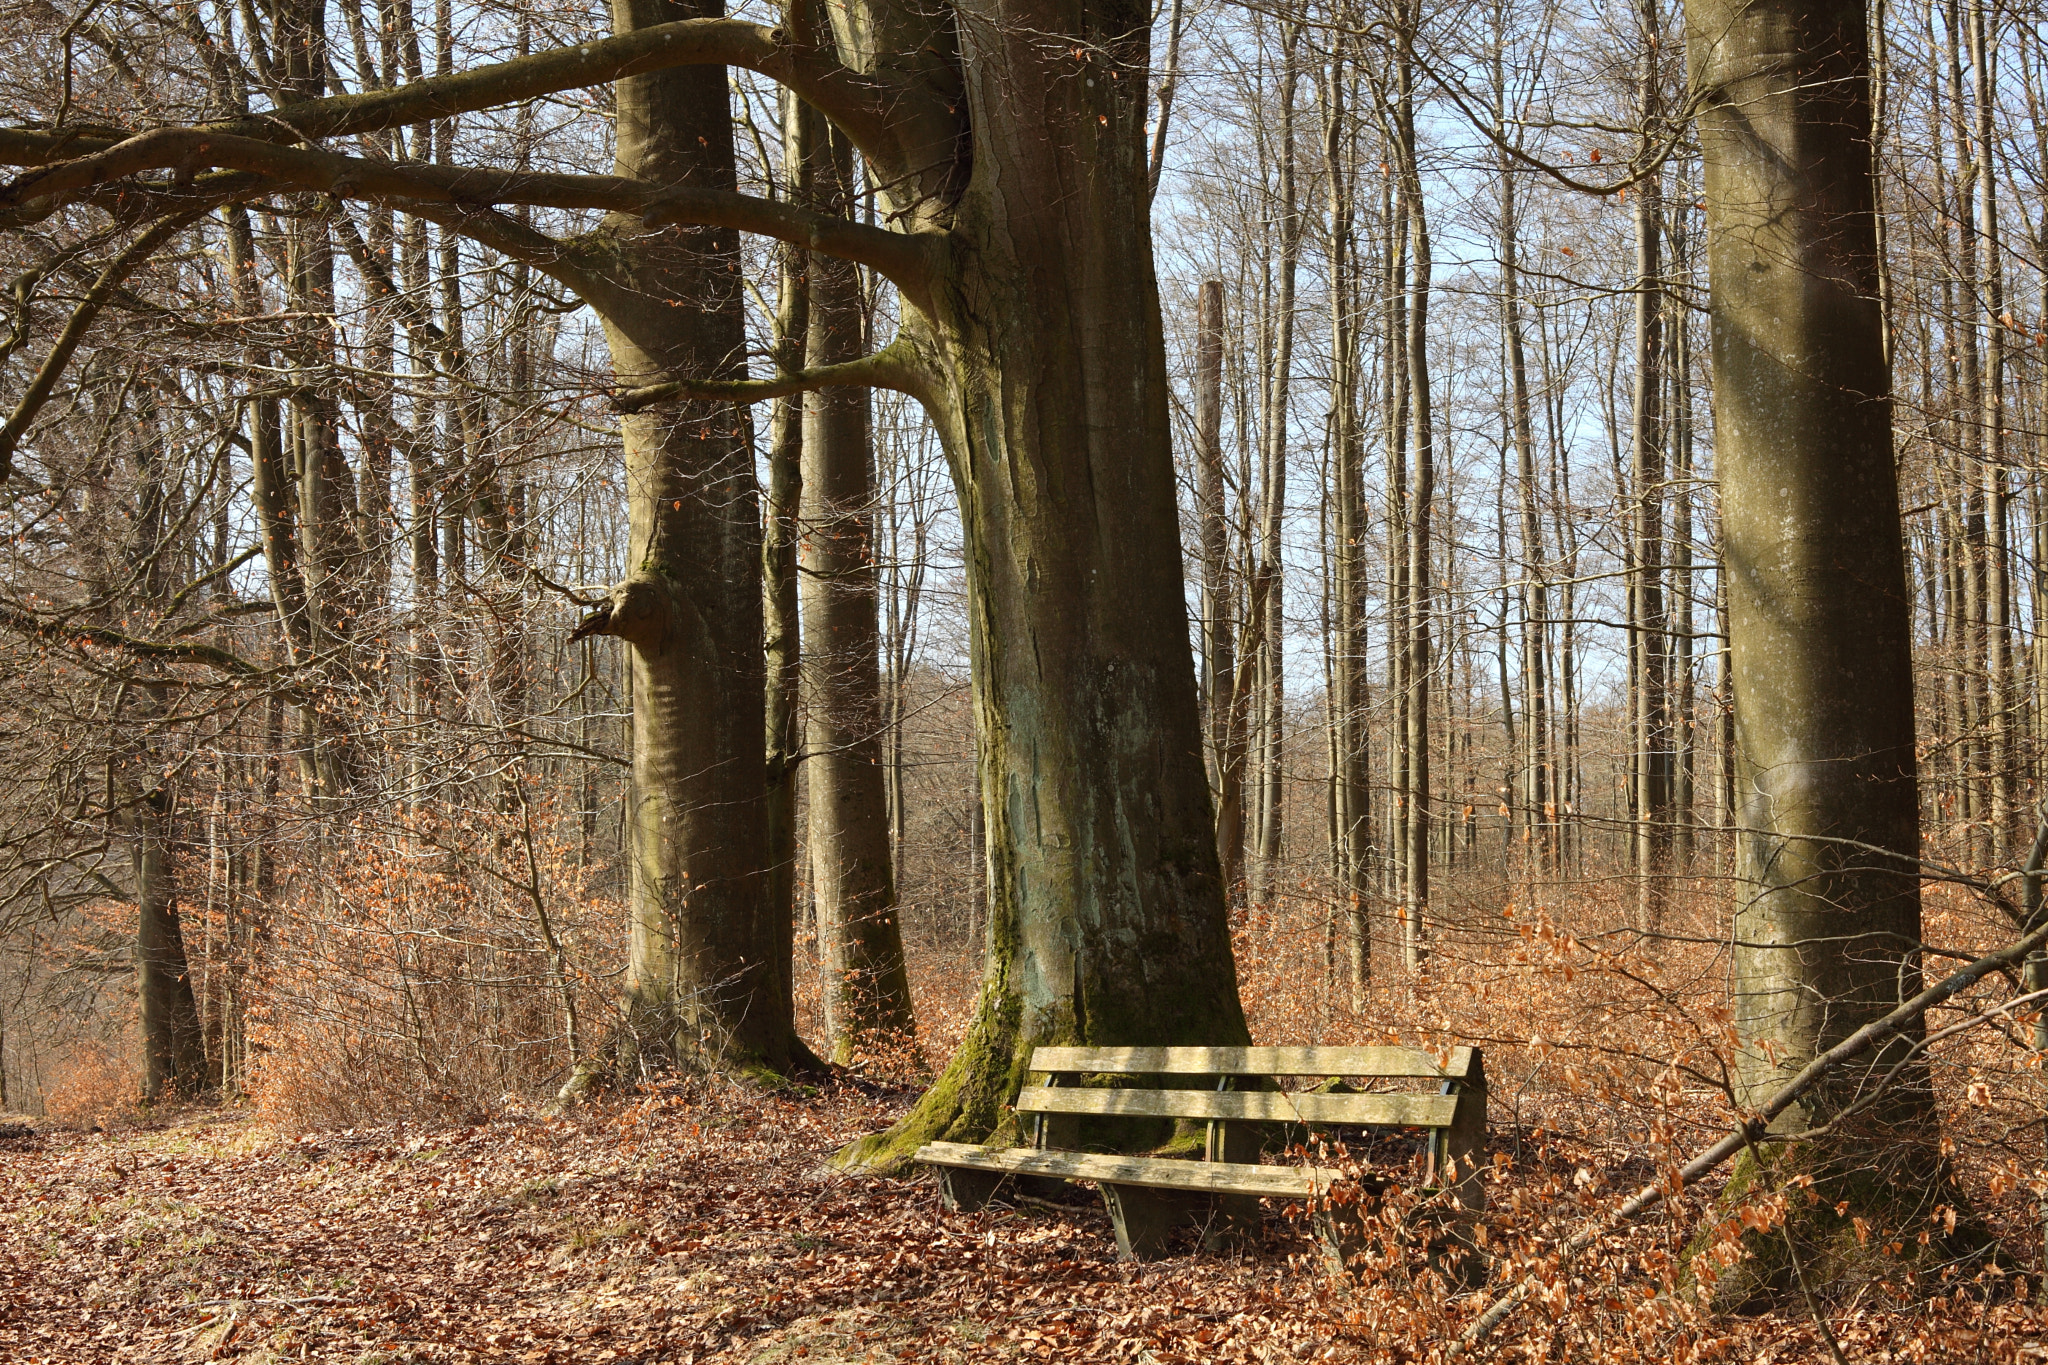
642,610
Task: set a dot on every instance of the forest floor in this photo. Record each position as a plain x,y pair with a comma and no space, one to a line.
689,1228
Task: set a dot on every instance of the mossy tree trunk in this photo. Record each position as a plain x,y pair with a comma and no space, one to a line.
1047,379
1827,927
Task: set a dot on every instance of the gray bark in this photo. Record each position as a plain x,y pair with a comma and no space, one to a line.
866,989
1827,932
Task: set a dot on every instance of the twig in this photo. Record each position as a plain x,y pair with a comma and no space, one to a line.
1758,1123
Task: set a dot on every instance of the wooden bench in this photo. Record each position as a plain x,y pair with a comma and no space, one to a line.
1239,1098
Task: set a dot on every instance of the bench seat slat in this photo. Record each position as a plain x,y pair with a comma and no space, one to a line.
1265,1106
1163,1173
1253,1061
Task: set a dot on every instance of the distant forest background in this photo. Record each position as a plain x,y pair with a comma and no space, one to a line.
381,796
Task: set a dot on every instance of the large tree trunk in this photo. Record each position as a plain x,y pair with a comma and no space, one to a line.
1827,932
866,989
703,981
1106,911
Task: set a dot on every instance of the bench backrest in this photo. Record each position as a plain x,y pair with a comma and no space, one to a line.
1409,1110
1389,1062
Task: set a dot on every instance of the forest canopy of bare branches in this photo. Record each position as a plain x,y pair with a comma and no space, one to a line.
549,550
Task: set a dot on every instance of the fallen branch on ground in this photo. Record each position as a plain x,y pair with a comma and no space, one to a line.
1863,1040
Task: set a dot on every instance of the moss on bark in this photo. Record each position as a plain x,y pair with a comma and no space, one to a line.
1852,1214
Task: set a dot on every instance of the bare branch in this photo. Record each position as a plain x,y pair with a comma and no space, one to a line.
889,368
903,258
45,382
186,652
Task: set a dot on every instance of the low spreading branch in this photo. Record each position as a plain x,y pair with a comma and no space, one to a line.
899,256
880,121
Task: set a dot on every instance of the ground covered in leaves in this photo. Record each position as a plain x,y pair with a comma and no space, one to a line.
694,1226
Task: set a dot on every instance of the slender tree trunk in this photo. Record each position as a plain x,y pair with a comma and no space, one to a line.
780,535
1682,722
866,989
1646,615
1394,385
1417,670
1273,447
2002,695
1534,759
1350,789
1219,657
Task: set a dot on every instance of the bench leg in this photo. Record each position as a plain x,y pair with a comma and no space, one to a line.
1234,1223
1451,1243
1344,1232
965,1190
1144,1218
1454,1251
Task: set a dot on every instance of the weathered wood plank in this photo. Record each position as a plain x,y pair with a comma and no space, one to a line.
1263,1106
1253,1061
1163,1173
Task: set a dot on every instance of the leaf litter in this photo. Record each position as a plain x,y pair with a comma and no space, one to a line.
694,1224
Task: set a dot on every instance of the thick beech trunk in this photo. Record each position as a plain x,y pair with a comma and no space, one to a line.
704,982
1827,930
1106,911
